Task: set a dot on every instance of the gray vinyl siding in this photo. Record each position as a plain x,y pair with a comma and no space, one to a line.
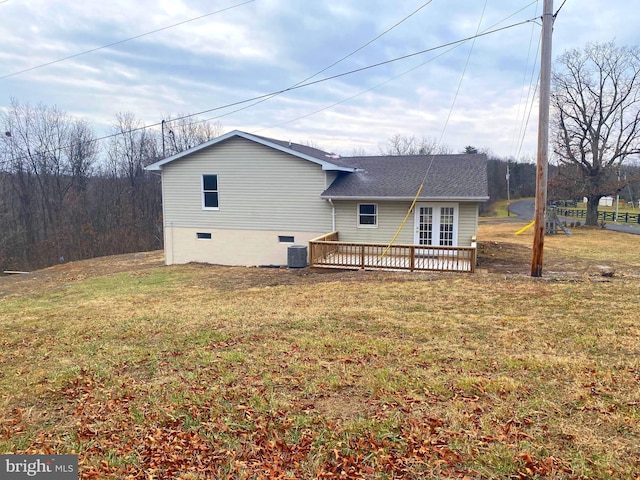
259,189
467,223
390,216
330,177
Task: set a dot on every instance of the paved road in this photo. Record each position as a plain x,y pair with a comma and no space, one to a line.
525,209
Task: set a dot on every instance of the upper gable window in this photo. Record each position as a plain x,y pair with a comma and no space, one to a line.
367,215
210,192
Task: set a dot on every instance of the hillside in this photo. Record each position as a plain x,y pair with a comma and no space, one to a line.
196,372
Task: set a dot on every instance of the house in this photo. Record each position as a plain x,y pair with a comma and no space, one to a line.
243,199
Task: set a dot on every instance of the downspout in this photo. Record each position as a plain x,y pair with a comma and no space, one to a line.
333,215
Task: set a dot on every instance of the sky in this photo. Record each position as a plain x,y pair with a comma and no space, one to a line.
222,52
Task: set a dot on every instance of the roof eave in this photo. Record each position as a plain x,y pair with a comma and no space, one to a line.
405,199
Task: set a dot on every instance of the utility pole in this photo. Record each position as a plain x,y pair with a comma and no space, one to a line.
507,176
163,152
543,140
617,197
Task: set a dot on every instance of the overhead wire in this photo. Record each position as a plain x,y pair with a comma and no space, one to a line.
464,72
119,42
533,95
377,37
521,125
444,128
344,100
315,82
339,75
357,70
558,11
379,84
526,123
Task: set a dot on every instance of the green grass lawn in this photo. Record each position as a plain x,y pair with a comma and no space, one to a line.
198,372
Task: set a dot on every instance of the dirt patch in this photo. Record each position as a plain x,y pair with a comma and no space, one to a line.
237,278
502,257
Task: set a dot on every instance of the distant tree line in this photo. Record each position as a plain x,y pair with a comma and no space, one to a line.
522,173
65,196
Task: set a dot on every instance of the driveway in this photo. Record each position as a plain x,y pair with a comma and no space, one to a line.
525,209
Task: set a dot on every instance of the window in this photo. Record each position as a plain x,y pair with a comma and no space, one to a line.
285,239
367,215
210,191
203,236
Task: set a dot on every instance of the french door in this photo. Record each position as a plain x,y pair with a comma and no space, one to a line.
436,224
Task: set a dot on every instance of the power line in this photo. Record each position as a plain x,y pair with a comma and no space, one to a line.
358,70
369,42
344,100
444,128
326,68
455,97
521,127
526,122
308,84
558,11
122,41
535,90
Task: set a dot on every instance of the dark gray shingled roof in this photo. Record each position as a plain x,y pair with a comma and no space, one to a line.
304,149
462,176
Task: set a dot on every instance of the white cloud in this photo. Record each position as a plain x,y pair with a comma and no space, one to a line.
268,45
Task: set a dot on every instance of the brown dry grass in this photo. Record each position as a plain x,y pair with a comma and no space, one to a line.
200,372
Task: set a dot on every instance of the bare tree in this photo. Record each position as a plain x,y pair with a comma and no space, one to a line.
135,192
57,201
404,145
359,152
596,98
184,133
47,156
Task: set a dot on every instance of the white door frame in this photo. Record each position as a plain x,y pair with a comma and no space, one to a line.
437,209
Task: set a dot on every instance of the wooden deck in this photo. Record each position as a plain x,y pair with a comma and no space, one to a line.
328,252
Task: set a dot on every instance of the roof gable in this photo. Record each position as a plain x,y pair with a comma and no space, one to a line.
324,159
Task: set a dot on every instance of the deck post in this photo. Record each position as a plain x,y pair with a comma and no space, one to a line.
362,259
474,253
311,253
412,259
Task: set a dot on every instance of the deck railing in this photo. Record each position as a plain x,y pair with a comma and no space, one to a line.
328,251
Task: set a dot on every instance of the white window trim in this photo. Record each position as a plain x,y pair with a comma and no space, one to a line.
202,191
358,224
